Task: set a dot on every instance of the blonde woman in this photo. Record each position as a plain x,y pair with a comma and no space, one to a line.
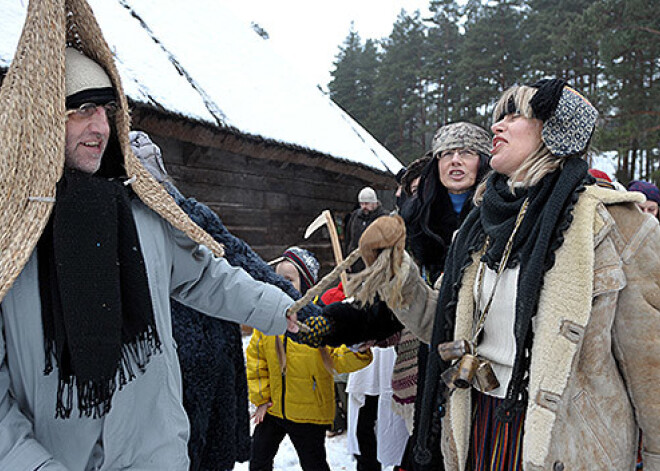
543,331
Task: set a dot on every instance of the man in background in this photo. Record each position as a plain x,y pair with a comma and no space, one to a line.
370,209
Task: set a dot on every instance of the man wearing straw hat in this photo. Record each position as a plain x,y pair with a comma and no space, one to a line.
89,378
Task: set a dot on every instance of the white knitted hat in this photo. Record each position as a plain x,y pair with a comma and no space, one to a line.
82,73
367,195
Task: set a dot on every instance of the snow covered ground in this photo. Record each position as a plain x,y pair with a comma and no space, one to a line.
287,460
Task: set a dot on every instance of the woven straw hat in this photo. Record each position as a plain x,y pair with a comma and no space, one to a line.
32,131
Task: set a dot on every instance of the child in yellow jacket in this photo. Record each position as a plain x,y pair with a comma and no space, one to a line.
292,384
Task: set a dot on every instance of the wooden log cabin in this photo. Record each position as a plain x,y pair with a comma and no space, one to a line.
239,130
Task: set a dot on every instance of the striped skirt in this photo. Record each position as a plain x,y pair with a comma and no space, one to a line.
494,445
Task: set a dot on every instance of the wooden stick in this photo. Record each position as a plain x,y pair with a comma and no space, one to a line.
336,248
325,283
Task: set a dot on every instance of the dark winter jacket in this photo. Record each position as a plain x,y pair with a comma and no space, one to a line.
211,356
357,223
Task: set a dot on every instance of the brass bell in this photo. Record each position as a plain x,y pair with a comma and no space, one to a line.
449,351
467,368
485,377
449,375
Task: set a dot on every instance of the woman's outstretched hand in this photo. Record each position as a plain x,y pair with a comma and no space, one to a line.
345,323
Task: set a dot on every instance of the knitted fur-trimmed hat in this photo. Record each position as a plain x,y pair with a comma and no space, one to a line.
569,119
306,263
32,132
461,135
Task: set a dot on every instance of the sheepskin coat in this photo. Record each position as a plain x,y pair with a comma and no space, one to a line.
595,368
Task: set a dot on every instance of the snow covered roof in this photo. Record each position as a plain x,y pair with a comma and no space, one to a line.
196,60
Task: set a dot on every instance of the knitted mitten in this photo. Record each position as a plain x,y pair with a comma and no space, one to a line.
320,327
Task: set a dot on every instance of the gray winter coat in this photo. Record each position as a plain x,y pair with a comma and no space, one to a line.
147,427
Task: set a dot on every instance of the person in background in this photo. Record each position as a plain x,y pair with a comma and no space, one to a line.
336,295
460,153
210,350
370,209
376,435
443,183
651,193
602,178
399,195
410,180
448,179
292,384
371,422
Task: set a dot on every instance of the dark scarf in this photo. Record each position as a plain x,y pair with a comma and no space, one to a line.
539,236
96,307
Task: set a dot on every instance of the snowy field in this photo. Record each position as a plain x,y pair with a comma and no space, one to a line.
287,459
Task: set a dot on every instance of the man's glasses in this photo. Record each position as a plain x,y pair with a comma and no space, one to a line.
87,110
464,154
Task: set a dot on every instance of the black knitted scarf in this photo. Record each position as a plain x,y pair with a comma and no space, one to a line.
541,233
96,307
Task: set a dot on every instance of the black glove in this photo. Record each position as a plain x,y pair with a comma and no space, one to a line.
344,323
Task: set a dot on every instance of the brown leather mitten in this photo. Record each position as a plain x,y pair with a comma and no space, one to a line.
383,233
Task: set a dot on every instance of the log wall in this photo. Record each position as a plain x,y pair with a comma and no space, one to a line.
267,203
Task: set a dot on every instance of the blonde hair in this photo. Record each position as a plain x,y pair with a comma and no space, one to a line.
540,162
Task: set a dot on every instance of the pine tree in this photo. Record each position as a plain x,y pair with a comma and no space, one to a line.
630,48
444,41
344,84
489,57
453,67
402,89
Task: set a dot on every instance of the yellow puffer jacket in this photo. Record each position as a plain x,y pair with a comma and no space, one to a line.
308,394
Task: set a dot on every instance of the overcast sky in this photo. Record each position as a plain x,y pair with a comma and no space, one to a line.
308,33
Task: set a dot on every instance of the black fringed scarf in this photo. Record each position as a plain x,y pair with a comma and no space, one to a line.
96,310
539,236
